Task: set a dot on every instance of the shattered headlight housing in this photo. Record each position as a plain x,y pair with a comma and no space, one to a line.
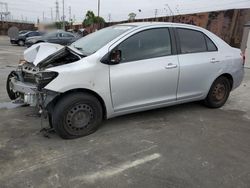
44,78
21,62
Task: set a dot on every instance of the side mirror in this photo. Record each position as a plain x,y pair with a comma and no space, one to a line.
115,57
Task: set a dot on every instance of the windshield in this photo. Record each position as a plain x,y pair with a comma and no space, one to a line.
93,42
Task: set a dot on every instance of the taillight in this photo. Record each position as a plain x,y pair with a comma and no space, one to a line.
243,57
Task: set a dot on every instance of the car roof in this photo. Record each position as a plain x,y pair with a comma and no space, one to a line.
139,25
145,24
61,31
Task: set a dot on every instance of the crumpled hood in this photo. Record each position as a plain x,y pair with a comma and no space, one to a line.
38,52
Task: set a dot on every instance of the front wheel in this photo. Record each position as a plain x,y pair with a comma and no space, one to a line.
218,93
20,43
77,115
13,95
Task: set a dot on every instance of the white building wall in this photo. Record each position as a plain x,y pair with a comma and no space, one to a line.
247,52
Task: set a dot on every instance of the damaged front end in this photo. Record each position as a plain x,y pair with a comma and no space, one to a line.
27,83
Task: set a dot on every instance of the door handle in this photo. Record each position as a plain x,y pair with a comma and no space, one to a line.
171,66
213,60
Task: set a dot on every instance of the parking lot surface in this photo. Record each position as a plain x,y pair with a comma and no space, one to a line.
182,146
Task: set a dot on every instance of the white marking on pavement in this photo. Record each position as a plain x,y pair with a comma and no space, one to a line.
143,150
106,173
9,105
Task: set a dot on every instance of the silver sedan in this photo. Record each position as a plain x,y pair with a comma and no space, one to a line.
125,69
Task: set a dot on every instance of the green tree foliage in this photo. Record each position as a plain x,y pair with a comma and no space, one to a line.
131,16
59,25
90,19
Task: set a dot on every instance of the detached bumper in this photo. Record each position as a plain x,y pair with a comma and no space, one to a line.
28,91
25,88
31,95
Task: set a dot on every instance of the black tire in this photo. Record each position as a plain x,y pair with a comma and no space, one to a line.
218,93
11,93
77,115
21,43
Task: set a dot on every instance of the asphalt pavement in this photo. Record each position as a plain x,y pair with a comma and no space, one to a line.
184,146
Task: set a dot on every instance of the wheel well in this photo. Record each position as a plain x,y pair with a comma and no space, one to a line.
55,100
39,41
229,77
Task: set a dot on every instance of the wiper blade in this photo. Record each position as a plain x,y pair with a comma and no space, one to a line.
77,47
78,50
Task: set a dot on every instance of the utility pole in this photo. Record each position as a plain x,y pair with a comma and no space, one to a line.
139,10
43,17
109,17
70,14
99,4
171,12
4,11
156,12
51,14
177,10
57,12
63,18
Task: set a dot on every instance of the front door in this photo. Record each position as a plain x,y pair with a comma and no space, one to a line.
148,72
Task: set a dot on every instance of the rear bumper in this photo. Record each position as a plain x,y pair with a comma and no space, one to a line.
13,41
238,78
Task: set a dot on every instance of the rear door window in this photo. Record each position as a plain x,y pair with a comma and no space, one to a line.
191,41
67,35
32,34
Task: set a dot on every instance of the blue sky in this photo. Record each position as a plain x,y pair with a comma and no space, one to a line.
119,9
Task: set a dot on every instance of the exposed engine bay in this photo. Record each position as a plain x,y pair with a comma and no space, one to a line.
27,82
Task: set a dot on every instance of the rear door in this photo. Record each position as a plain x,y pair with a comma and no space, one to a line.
32,34
54,38
148,72
200,62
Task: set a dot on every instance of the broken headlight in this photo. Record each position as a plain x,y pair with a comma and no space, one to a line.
44,78
21,62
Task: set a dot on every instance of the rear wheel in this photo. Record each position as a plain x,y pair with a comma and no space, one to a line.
77,115
219,93
11,92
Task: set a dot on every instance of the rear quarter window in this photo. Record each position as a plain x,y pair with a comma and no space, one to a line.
210,45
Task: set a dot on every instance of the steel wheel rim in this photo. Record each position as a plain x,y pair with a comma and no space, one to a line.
79,118
17,94
219,92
